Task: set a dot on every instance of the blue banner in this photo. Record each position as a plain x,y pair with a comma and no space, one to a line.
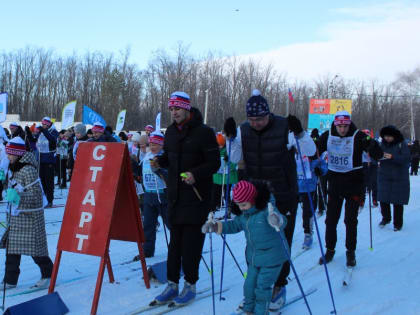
90,116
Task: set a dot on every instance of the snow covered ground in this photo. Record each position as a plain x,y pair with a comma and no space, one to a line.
385,281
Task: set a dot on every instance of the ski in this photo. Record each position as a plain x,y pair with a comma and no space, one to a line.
292,300
302,251
32,290
172,306
347,276
306,271
154,304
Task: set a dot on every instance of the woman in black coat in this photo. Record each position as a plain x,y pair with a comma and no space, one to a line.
415,157
393,177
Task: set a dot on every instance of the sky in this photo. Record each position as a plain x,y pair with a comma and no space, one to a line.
305,39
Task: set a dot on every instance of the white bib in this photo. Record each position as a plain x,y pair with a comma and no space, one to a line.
151,181
340,153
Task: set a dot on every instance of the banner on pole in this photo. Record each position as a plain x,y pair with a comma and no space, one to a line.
120,121
67,116
3,106
322,111
90,116
157,127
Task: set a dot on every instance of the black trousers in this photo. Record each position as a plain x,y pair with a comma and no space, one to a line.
322,188
370,182
288,233
12,267
185,248
307,211
46,173
351,211
414,166
398,214
62,172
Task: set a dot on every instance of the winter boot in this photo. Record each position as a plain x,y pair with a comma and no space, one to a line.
170,292
307,241
329,255
187,295
43,283
278,299
351,258
383,223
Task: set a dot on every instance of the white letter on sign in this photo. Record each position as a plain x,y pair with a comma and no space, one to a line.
84,218
81,238
89,198
95,152
95,170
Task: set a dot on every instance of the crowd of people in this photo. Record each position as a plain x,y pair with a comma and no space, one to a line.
256,173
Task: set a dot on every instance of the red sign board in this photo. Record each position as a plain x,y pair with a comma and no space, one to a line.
319,106
102,205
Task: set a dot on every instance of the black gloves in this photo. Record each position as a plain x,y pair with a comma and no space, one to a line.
294,124
230,128
317,171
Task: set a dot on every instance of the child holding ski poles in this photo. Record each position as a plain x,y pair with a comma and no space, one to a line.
265,254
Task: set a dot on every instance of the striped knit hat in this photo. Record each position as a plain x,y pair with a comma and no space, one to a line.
179,99
16,146
244,192
149,128
342,118
98,127
156,137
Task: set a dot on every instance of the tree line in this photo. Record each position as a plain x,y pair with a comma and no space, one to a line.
40,83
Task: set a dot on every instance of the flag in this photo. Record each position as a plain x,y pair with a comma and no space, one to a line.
90,116
291,99
67,116
3,106
120,121
157,127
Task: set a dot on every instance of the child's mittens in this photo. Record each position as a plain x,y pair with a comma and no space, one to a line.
274,218
209,227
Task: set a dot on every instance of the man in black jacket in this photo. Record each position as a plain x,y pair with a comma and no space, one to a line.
191,155
345,145
99,134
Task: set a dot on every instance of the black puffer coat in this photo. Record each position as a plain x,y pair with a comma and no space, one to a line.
190,149
393,176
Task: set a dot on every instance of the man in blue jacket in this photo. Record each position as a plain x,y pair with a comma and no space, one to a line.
46,142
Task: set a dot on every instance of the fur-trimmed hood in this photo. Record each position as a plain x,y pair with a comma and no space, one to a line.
392,131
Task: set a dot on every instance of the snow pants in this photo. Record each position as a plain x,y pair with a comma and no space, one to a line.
153,206
307,216
12,267
398,214
46,173
258,288
185,248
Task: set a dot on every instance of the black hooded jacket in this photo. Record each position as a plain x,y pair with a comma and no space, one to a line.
350,183
190,149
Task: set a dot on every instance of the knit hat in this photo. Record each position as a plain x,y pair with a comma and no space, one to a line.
13,124
179,99
342,118
156,137
220,138
257,105
98,127
16,146
46,120
135,137
149,128
80,128
244,192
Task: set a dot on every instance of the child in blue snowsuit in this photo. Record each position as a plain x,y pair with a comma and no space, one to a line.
311,169
265,247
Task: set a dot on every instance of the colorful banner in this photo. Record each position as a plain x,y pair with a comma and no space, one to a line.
322,111
67,116
120,121
90,116
3,106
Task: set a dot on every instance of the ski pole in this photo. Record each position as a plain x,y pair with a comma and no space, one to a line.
7,252
317,228
211,218
286,250
233,256
370,208
225,219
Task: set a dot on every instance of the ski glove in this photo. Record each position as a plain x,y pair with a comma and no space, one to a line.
2,175
294,124
274,218
317,171
12,196
209,227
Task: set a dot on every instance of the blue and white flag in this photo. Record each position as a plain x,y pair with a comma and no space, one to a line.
90,116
